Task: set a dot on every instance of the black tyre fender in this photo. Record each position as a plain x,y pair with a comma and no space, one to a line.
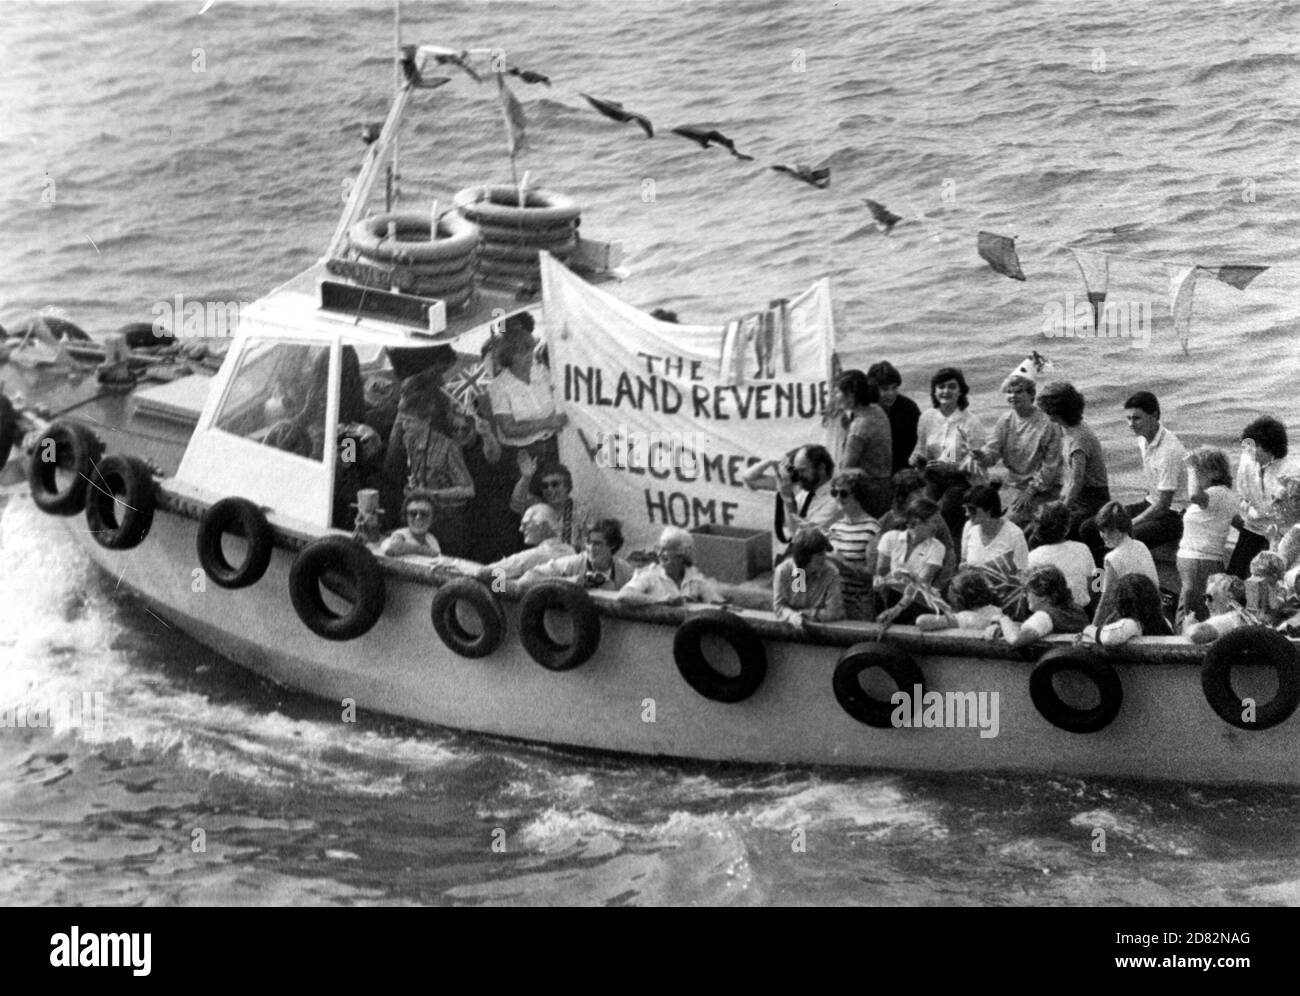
339,556
75,448
120,502
901,669
141,335
1096,669
563,597
703,676
241,517
1251,645
446,601
8,429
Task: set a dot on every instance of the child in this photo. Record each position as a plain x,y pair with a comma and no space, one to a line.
1138,612
1225,596
972,603
1210,509
1127,556
1051,607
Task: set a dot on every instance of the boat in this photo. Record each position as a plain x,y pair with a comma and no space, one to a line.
195,497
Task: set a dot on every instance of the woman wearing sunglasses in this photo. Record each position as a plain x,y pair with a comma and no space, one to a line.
853,540
414,539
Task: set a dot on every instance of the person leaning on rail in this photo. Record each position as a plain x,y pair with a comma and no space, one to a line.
596,567
805,587
539,526
674,579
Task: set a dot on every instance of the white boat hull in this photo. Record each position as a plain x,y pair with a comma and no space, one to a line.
630,697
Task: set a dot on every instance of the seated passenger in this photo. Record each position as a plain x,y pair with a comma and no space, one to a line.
414,539
596,567
853,541
908,556
987,536
907,484
539,527
972,602
1051,609
1139,611
1127,556
805,588
553,484
1072,557
1266,591
1225,595
674,579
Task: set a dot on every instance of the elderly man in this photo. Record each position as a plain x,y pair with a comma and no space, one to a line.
1155,520
1028,444
540,528
674,579
803,486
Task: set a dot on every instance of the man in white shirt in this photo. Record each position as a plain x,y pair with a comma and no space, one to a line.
540,527
1155,520
675,578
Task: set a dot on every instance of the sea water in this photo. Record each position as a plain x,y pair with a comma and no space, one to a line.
204,150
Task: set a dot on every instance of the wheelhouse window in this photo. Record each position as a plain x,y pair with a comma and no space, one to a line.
277,397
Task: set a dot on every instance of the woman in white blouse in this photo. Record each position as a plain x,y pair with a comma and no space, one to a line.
987,535
946,437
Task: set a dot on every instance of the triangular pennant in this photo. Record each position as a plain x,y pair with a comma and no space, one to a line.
514,116
1182,285
1095,270
1236,276
999,252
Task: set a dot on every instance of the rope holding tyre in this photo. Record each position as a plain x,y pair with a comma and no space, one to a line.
67,446
239,517
700,674
849,693
120,502
1251,645
447,602
1060,713
335,558
564,597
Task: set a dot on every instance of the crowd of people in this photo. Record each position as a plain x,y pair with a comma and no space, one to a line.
944,517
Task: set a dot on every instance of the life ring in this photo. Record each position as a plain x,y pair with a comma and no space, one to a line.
1098,670
492,618
452,293
499,205
8,429
688,652
370,238
58,328
516,253
509,270
1251,645
542,238
346,565
563,597
242,518
120,502
64,446
901,669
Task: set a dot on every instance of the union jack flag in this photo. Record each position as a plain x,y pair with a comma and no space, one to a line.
467,382
1008,586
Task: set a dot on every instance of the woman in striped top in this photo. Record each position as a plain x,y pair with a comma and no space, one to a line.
853,538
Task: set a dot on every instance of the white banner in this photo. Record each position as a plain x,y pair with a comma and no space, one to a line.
659,432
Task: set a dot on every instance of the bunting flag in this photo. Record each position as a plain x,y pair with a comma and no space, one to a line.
1008,586
999,252
1236,276
514,117
1182,286
1095,269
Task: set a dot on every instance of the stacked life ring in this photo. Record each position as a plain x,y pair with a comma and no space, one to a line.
417,260
514,233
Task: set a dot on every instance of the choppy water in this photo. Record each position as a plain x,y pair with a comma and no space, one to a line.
218,184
